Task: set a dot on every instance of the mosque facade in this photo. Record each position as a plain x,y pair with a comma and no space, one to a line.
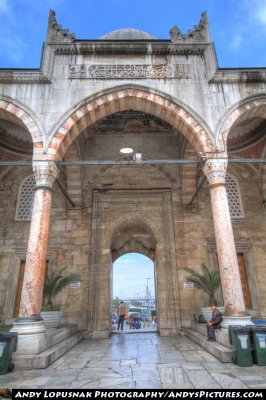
193,192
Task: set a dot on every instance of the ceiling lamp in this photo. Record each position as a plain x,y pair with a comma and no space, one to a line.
126,151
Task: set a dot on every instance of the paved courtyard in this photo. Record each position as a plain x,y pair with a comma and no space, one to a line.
142,360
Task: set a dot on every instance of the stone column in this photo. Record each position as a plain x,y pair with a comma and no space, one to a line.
215,171
29,321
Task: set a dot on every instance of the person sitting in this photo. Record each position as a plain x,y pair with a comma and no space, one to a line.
214,323
137,324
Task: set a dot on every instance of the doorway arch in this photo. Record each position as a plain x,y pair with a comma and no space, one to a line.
124,221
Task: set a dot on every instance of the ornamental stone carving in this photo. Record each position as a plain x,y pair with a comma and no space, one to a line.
129,71
56,33
200,33
215,171
45,173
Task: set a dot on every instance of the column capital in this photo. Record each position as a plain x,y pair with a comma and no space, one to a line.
45,173
215,170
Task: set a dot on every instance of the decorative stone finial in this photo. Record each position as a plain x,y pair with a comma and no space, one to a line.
215,171
55,32
45,173
200,33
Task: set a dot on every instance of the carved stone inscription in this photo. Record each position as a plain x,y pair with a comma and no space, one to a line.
129,71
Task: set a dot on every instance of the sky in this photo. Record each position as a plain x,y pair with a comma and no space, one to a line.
130,273
238,27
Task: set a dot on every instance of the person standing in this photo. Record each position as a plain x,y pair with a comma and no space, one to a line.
121,312
214,323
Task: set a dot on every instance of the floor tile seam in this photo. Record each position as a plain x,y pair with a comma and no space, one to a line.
158,373
229,377
214,380
188,377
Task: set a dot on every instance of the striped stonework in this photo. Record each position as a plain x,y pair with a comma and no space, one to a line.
129,99
254,108
189,175
73,173
27,121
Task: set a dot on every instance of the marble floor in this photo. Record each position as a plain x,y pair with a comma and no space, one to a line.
138,361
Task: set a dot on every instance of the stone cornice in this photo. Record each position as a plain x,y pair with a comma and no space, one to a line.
155,47
247,75
22,76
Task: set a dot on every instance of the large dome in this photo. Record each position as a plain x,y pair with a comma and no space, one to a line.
127,34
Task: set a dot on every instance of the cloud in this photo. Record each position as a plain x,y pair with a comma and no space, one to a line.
260,14
236,41
14,47
130,273
256,13
4,7
247,28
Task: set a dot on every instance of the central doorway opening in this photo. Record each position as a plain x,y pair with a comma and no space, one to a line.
134,283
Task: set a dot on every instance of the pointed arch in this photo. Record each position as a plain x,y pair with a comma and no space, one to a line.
120,99
255,106
74,175
139,220
188,175
24,116
109,168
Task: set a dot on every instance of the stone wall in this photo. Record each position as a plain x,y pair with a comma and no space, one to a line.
62,107
71,244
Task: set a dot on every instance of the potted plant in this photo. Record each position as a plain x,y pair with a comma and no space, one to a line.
208,281
54,283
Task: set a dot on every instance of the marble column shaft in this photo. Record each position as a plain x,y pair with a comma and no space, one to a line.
32,290
215,170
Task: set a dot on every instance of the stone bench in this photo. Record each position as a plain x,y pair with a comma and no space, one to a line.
221,349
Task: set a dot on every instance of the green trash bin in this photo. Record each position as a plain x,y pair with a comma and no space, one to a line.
259,344
239,337
8,344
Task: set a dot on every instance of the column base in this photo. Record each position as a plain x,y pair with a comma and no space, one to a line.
101,334
236,320
168,332
31,336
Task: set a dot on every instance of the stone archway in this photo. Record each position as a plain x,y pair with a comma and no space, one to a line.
125,220
19,115
248,108
136,243
19,147
133,237
129,99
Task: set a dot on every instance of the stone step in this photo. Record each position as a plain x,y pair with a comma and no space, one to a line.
222,335
56,335
47,357
219,351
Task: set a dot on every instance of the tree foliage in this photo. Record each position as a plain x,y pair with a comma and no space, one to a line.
54,283
208,281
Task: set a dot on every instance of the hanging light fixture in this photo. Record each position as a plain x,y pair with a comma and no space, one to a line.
126,151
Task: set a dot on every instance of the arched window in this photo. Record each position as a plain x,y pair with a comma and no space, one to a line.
25,199
234,197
